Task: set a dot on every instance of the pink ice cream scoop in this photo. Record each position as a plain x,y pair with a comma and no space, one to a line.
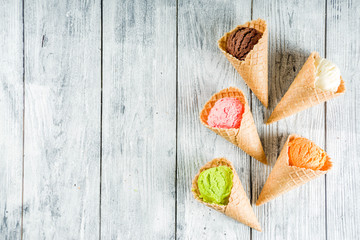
226,113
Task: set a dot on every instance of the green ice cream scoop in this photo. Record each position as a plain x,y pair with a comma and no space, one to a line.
215,185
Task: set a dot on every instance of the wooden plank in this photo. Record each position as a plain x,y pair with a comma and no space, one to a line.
139,120
202,71
343,118
296,28
11,118
62,119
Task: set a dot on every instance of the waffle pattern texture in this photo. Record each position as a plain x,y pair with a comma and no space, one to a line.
302,93
246,137
284,177
254,68
239,207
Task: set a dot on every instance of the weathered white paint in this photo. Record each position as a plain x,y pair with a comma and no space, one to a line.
202,71
343,122
62,119
295,29
139,120
11,118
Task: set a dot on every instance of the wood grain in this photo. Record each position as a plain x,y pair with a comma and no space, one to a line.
139,120
159,65
62,119
11,118
343,122
202,71
296,28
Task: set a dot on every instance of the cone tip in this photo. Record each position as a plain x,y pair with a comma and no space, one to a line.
265,103
263,160
255,225
260,201
263,98
270,120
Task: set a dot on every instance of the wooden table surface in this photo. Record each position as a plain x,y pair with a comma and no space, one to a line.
99,129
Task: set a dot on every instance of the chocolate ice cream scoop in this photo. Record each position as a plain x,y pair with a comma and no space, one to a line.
242,41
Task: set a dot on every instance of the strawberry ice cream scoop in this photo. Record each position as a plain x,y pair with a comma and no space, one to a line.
226,113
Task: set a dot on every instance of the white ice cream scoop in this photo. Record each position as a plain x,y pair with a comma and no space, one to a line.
327,75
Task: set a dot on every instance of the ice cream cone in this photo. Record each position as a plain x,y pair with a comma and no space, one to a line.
246,137
254,69
284,177
238,207
302,93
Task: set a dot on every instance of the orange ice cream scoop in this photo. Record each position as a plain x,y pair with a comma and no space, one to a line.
306,154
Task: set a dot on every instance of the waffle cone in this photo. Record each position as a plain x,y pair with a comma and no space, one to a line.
238,207
284,177
246,136
254,68
302,93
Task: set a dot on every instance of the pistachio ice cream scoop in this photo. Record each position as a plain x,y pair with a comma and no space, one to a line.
218,186
215,185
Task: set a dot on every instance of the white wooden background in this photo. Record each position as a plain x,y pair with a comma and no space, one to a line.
99,129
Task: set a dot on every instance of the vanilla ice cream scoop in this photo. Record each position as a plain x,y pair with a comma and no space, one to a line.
327,76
